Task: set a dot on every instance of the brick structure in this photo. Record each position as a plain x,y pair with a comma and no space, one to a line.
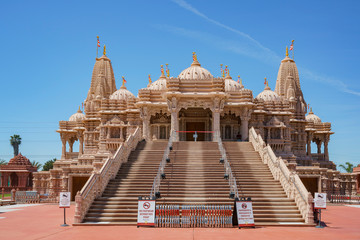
17,174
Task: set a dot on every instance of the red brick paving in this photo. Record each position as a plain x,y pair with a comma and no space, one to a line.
43,222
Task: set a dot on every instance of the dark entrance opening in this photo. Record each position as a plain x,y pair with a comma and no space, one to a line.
311,185
195,126
77,185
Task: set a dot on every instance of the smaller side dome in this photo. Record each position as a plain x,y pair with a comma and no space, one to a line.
232,86
159,84
311,117
78,116
267,95
19,160
122,94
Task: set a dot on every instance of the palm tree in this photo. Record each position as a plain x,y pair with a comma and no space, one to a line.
3,162
36,164
15,141
49,165
349,167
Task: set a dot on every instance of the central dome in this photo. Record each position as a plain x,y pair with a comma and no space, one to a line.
195,71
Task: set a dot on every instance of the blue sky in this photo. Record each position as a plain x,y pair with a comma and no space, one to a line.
49,51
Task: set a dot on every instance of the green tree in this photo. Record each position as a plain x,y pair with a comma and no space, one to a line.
15,142
49,165
36,164
3,162
348,168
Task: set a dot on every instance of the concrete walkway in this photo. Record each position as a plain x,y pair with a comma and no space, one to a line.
43,222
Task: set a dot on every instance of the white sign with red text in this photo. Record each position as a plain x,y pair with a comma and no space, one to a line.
245,214
320,201
146,213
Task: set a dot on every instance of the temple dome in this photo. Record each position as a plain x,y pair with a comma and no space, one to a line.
311,117
231,85
122,94
268,95
195,71
19,160
78,116
159,84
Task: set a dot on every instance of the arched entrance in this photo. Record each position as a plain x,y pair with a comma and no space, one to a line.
195,119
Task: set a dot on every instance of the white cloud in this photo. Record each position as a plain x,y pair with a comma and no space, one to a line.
190,8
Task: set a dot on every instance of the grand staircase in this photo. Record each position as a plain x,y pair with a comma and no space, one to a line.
254,179
118,204
193,176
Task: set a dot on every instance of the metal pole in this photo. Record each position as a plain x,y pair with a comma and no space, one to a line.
64,225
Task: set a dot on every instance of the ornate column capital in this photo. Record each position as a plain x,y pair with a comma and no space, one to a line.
245,114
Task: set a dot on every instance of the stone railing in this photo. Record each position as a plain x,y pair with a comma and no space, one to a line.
234,193
98,181
155,189
290,181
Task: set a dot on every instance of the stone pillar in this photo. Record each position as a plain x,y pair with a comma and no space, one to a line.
309,138
146,128
175,122
121,134
244,128
63,141
326,150
145,116
81,143
174,108
319,147
71,144
216,125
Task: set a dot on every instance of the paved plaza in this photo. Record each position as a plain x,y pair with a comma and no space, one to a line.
43,222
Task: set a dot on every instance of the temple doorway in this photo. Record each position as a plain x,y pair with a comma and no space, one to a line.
311,184
195,119
77,185
195,126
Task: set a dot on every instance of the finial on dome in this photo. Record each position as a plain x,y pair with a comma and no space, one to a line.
79,110
239,80
267,84
162,71
194,56
104,50
227,73
222,71
311,112
195,61
123,82
150,81
287,51
167,70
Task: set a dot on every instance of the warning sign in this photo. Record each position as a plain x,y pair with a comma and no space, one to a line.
146,213
245,213
320,201
64,201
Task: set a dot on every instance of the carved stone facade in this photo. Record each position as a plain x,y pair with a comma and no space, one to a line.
193,101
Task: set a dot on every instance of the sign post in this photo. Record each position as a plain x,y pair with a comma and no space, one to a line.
244,212
146,212
64,202
320,203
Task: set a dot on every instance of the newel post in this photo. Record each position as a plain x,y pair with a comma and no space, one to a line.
310,216
78,206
